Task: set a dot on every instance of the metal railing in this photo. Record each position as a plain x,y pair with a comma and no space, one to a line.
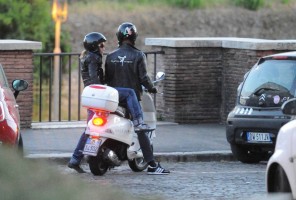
64,104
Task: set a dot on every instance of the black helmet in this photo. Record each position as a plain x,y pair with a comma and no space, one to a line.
127,31
92,40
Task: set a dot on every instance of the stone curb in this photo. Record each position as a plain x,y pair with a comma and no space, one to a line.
76,124
203,156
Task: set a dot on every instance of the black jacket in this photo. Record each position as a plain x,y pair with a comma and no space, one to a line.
91,68
126,67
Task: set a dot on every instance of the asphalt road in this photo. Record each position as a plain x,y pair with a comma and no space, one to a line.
169,138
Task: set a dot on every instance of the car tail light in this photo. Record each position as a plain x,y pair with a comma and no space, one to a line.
2,114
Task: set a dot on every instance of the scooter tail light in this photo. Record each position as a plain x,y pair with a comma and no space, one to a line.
99,121
2,114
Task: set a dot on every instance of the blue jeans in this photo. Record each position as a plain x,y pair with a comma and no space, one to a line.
78,155
128,97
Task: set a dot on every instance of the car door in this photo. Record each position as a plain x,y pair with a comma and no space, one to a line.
294,152
10,107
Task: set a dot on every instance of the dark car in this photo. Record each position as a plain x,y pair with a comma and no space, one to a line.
252,126
10,134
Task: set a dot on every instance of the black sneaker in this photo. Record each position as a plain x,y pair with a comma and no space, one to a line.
158,170
142,127
76,168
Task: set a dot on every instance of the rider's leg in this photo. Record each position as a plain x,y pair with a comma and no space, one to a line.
77,154
146,147
128,96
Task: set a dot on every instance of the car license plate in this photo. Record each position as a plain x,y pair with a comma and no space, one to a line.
258,137
91,146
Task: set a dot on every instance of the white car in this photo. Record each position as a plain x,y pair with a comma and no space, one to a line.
281,167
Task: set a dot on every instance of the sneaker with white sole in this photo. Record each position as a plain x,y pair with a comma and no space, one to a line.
142,127
158,170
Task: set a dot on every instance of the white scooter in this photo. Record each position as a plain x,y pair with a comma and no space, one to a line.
112,138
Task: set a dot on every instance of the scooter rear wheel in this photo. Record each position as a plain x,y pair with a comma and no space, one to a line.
97,166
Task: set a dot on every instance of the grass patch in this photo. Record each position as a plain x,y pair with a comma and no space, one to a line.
129,5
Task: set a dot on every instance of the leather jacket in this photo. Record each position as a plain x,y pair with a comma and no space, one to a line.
126,67
91,68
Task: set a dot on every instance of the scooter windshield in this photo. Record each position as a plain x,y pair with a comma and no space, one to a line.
269,84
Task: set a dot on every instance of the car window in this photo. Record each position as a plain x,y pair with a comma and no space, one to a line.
269,84
3,79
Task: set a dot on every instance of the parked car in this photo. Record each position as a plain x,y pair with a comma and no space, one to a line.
281,167
10,133
252,126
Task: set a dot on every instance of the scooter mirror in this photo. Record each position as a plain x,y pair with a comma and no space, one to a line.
160,75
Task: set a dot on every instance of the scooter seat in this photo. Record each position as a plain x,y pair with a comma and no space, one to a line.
120,111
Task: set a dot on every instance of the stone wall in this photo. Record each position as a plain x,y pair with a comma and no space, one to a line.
202,74
16,57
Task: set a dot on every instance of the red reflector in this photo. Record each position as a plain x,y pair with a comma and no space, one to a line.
95,137
97,87
280,57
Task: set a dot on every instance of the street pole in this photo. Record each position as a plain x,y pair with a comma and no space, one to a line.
59,15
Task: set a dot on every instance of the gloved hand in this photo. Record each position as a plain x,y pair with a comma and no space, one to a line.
152,90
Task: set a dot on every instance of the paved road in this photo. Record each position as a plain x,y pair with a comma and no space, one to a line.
188,180
220,178
172,139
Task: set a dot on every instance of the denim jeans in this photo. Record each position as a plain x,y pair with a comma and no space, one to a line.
78,155
128,96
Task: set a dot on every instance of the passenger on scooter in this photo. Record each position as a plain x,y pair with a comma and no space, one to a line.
126,67
92,73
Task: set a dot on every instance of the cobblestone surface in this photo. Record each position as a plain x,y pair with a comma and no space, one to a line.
188,180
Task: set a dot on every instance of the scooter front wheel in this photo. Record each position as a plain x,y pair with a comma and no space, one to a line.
138,164
97,166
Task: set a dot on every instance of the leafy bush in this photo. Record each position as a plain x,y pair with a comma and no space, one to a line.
187,3
250,4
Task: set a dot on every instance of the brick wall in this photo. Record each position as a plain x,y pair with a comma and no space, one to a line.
18,65
16,57
202,74
192,85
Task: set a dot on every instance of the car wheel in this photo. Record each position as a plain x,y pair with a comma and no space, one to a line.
280,182
244,155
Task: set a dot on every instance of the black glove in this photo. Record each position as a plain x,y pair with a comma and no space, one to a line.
152,90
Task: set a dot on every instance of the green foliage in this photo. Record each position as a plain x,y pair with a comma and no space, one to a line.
250,4
285,1
29,20
187,3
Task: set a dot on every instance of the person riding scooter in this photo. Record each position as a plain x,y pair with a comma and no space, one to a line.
92,73
126,67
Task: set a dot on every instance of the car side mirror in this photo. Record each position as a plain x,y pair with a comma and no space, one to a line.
289,107
19,85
